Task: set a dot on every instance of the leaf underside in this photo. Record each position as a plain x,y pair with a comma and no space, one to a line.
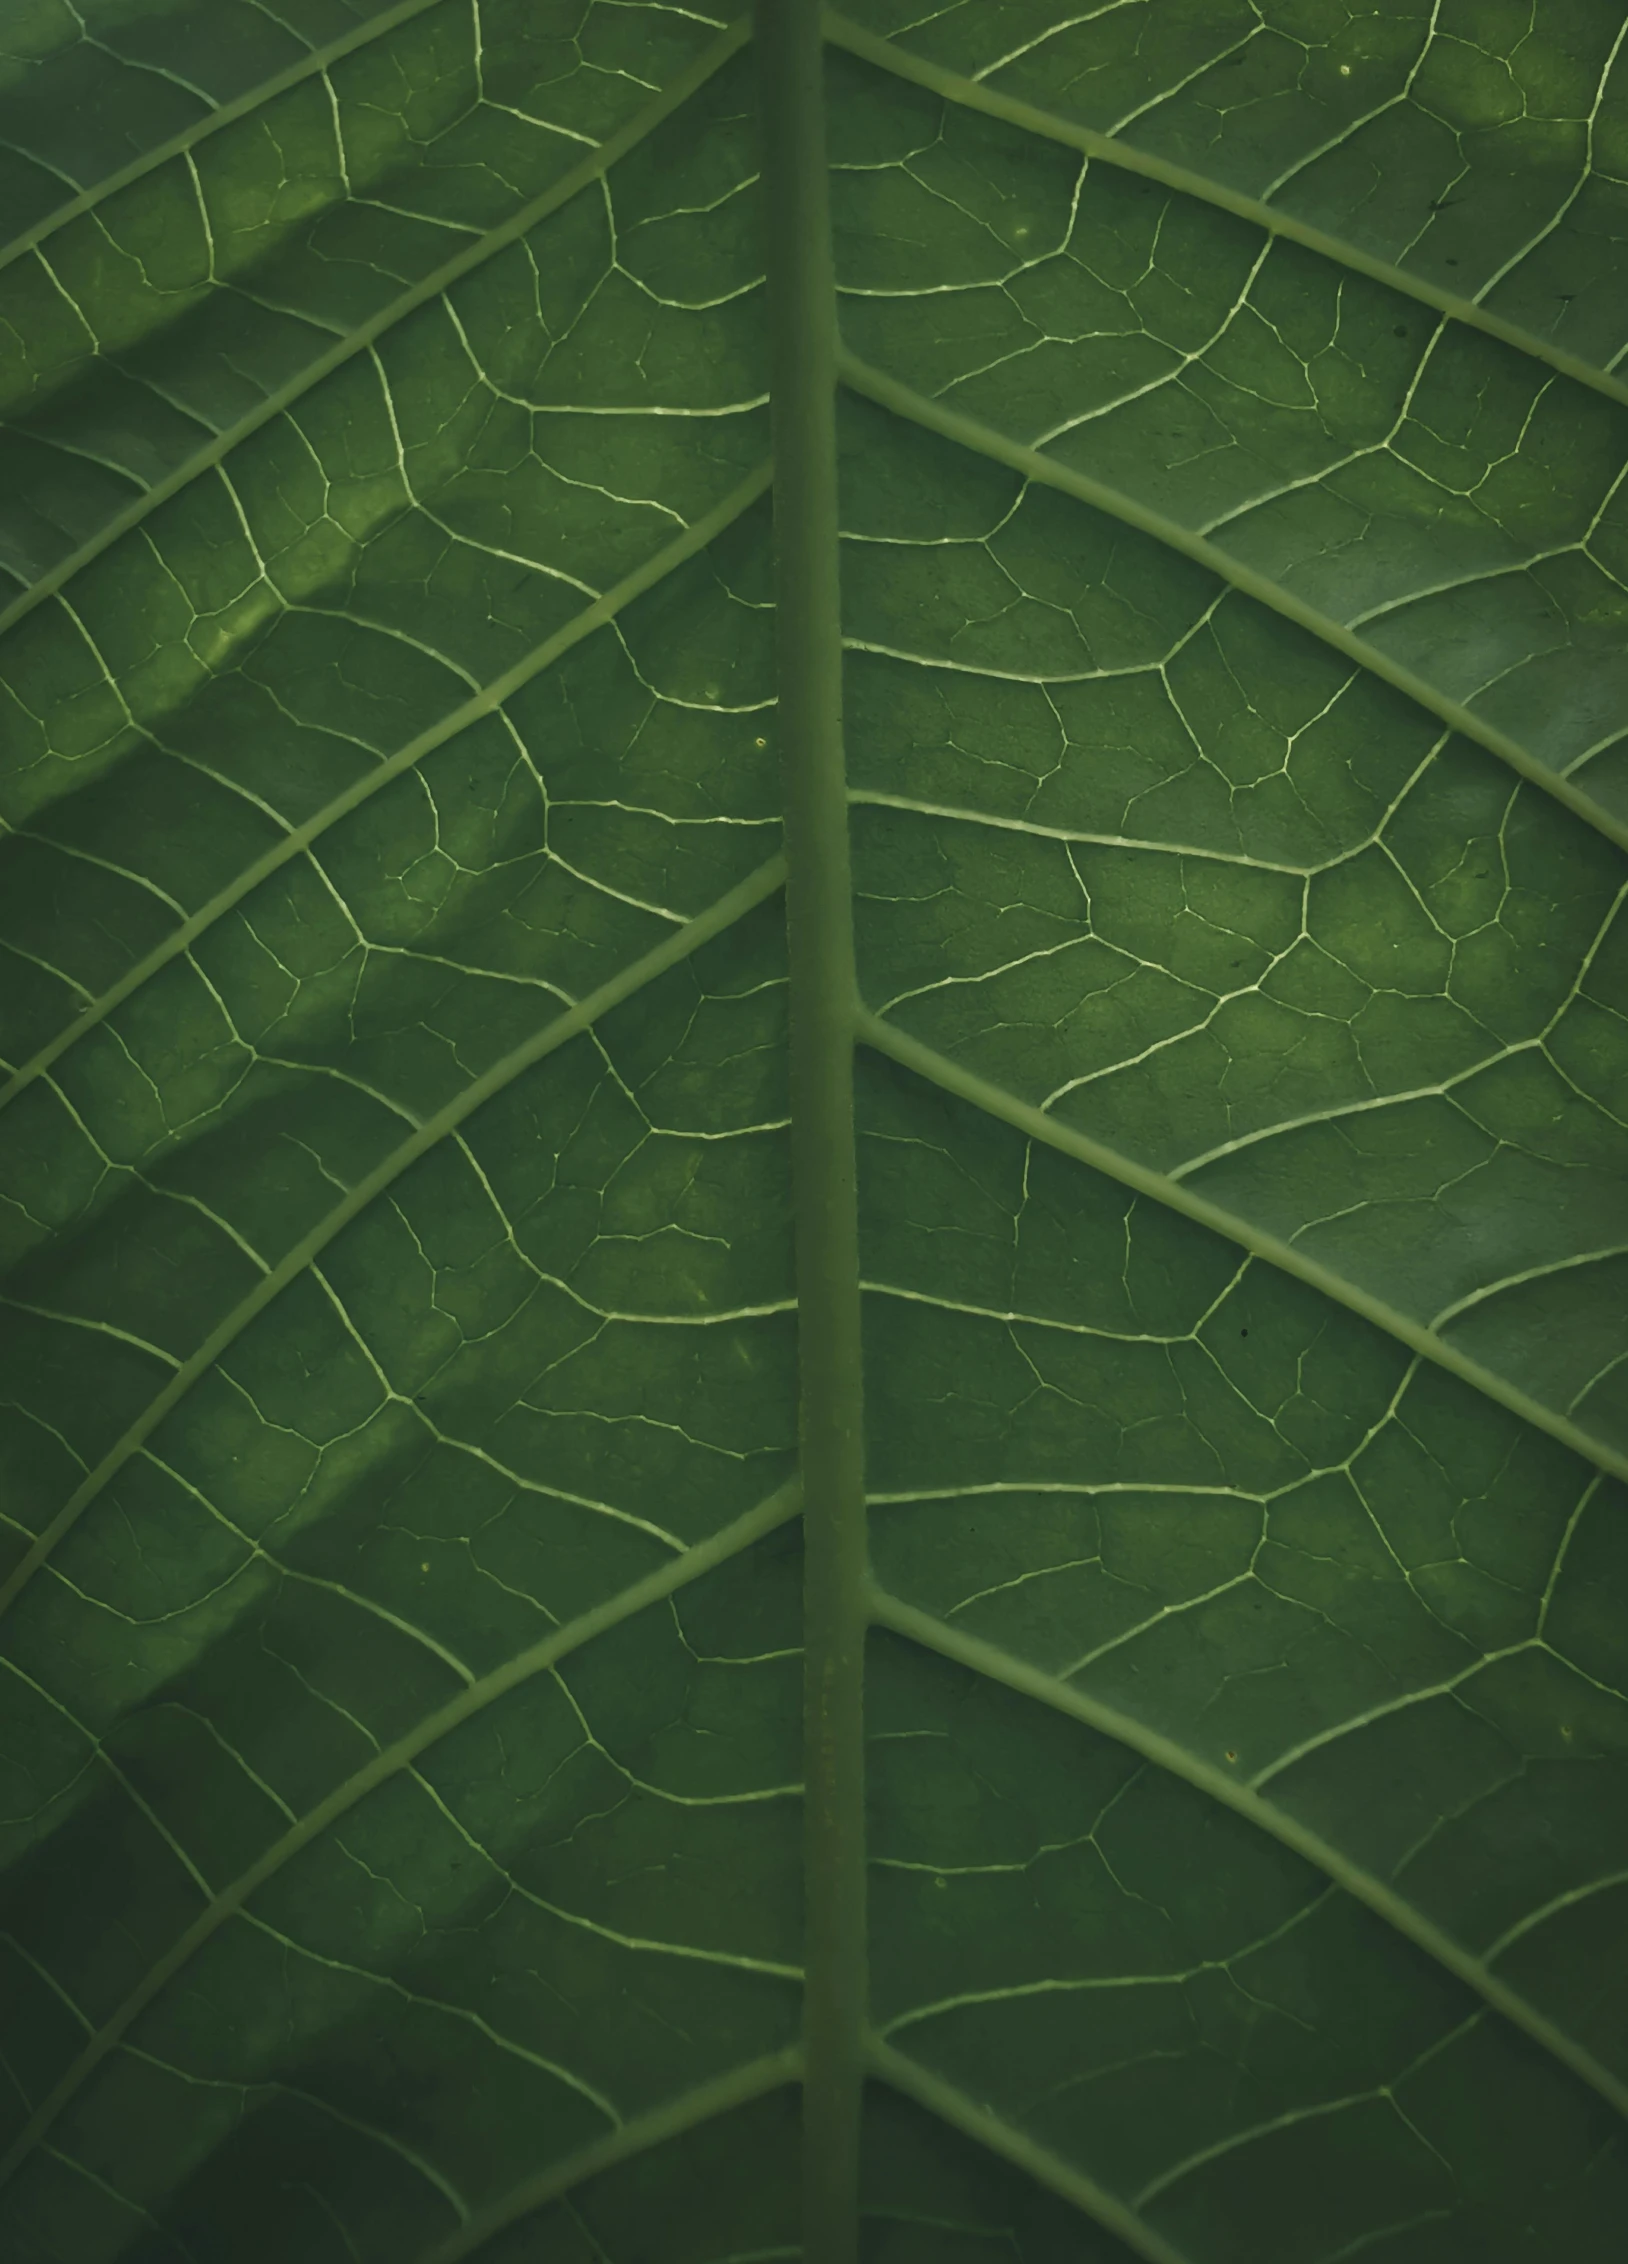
401,1528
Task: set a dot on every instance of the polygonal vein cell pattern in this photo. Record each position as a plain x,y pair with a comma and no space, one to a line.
141,333
1150,859
1482,151
1456,502
400,1803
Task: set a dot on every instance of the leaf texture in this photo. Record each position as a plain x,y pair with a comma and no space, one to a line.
814,1144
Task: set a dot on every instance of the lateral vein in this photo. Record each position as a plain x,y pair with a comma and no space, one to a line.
1165,1753
738,2088
981,2123
310,66
971,94
967,1085
740,900
538,1658
485,702
983,440
366,334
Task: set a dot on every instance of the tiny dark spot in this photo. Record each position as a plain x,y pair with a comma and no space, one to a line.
1400,331
1452,263
1243,1332
1232,1756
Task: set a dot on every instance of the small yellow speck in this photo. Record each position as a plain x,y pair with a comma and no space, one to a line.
760,742
1345,70
423,1568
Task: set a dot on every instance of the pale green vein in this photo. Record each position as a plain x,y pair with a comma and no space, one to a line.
1545,1272
984,440
1235,2141
102,2185
870,797
538,1658
704,2104
1084,1985
482,703
967,1085
1045,2168
367,334
1557,1903
455,2014
311,66
970,94
1165,1753
669,953
819,928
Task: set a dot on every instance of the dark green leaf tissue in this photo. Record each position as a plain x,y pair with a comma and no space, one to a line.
813,1132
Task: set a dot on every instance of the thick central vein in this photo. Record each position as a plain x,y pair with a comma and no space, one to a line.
1015,2146
803,350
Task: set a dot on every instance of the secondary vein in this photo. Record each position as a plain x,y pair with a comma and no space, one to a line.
723,914
1165,1753
971,94
313,65
485,702
366,334
539,1658
967,1085
1031,464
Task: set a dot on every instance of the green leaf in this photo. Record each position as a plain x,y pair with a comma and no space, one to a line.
814,1157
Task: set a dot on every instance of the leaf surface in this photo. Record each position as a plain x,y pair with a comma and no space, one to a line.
1116,524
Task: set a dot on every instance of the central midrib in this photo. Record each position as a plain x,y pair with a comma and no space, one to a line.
823,991
824,1027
